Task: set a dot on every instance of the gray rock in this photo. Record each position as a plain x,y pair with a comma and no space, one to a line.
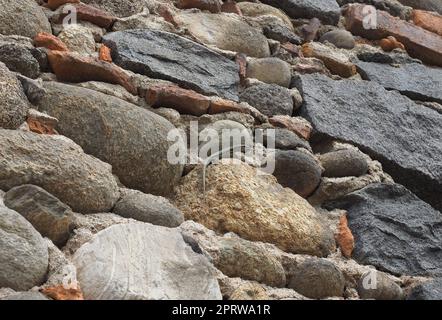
317,279
387,126
431,290
414,80
281,33
59,166
20,58
344,163
119,8
393,7
429,5
25,296
13,102
22,17
48,215
340,38
298,171
385,219
368,53
269,99
285,139
270,70
379,286
139,261
167,56
24,253
327,11
33,89
131,139
148,208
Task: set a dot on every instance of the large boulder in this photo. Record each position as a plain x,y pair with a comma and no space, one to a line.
22,17
327,11
414,80
133,140
13,102
24,253
227,32
139,261
59,166
385,219
170,57
402,135
253,206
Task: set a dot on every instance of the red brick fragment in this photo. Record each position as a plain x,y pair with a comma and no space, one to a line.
213,6
49,41
54,4
104,53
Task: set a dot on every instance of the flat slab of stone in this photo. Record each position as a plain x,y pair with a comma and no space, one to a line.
414,80
403,136
394,230
327,11
170,57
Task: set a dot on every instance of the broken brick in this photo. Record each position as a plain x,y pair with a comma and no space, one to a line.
93,15
428,20
104,53
61,293
344,237
390,43
49,41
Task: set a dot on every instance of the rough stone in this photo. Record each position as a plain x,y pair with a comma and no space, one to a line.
431,290
344,237
88,13
253,206
170,57
286,140
344,163
214,6
78,39
20,57
24,258
385,219
148,208
429,5
46,213
60,167
139,261
339,38
257,10
270,99
428,20
408,153
281,33
119,8
28,296
384,288
270,70
49,41
297,125
106,127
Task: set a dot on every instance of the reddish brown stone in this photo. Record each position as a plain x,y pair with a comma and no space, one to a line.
166,13
230,6
390,43
71,67
344,237
183,100
213,6
220,105
61,293
418,42
241,61
93,15
310,31
49,41
40,127
292,49
428,20
54,4
104,54
297,125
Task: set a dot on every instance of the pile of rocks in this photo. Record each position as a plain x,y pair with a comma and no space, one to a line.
92,94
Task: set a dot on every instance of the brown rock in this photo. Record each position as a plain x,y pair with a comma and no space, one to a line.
213,6
310,31
219,105
182,100
54,4
241,61
428,20
71,67
344,237
297,125
390,43
418,42
230,6
62,293
91,14
49,41
104,53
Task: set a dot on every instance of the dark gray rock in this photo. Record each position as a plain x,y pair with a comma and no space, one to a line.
33,89
13,103
379,286
285,139
59,166
269,99
414,80
24,253
394,230
281,33
317,279
431,290
170,57
49,216
386,125
429,5
148,208
343,163
339,38
20,58
132,139
22,17
327,11
298,171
